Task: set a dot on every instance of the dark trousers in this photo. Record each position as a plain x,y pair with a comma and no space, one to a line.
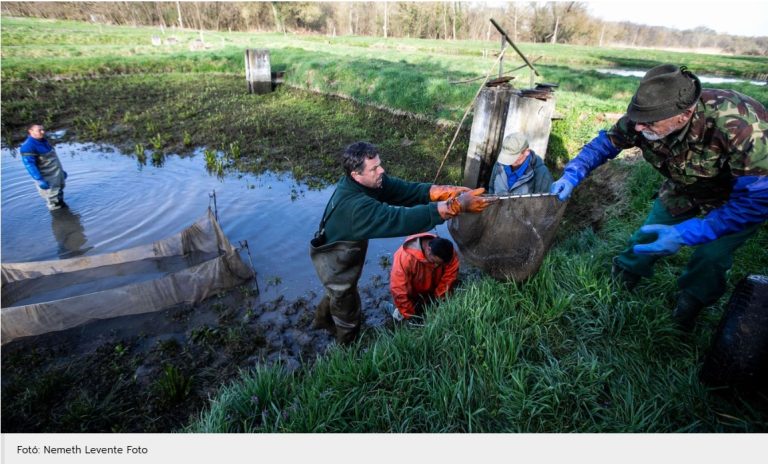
704,277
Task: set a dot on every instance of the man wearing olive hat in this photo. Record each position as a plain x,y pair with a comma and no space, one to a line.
518,170
711,145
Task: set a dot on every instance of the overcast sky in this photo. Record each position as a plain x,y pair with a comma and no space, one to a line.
737,17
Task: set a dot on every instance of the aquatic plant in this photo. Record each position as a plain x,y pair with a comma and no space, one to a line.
120,350
210,159
141,155
168,346
157,142
173,386
158,158
234,151
90,128
150,126
204,335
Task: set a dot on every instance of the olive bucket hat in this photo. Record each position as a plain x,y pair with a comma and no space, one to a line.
511,148
664,91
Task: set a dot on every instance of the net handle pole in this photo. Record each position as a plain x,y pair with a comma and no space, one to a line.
244,245
212,198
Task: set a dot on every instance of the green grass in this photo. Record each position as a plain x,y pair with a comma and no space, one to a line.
407,74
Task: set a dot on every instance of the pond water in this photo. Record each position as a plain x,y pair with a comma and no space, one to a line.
115,203
704,79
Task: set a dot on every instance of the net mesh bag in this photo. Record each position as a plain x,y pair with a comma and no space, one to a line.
510,238
738,355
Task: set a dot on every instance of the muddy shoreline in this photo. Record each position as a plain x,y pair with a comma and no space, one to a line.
154,372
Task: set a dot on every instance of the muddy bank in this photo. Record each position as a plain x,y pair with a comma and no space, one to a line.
153,372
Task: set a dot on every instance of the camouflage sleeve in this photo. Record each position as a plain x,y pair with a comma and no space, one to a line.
622,134
745,123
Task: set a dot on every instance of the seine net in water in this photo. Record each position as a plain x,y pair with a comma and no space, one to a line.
46,296
510,238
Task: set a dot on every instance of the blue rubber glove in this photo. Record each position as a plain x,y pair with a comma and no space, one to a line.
596,152
668,240
43,184
562,188
747,205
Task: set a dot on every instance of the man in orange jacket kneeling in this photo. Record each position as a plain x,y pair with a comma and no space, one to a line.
424,268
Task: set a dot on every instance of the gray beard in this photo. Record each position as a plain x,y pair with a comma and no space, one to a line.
651,136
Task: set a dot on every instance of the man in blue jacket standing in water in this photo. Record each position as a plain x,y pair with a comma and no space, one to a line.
44,166
711,145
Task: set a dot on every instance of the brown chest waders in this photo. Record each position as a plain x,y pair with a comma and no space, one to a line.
51,171
339,266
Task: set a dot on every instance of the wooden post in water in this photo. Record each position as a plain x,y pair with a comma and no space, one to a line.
486,135
258,73
530,113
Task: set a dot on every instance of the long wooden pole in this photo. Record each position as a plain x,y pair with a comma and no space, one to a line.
504,34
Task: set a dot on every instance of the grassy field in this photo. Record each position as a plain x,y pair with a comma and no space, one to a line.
565,351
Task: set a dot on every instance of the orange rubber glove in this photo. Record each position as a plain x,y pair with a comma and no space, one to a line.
467,202
445,192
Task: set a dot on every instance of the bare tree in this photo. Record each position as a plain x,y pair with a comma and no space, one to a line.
558,12
453,5
178,10
386,18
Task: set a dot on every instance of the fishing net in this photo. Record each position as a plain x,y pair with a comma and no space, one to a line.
738,356
510,238
46,296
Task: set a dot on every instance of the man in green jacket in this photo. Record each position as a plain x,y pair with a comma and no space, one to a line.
369,204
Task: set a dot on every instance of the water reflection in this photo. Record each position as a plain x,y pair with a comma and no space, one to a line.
703,78
69,233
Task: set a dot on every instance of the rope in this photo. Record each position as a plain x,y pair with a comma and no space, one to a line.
490,71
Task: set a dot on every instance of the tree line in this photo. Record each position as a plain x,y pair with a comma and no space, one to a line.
548,22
